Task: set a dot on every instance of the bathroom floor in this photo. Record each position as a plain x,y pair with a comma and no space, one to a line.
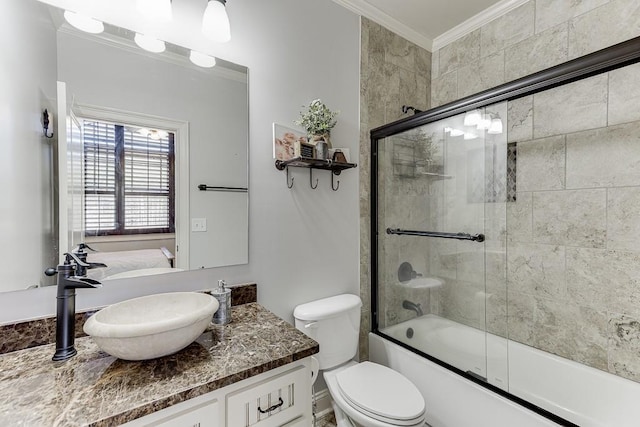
328,420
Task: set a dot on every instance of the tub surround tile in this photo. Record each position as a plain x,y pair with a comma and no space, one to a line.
541,164
571,108
604,279
520,218
509,29
520,119
537,270
483,74
624,347
459,53
444,89
611,23
22,335
606,157
99,390
549,13
571,217
536,53
623,218
624,94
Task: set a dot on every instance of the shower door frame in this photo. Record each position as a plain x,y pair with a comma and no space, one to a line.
611,58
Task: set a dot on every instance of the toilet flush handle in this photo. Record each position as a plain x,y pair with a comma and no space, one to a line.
310,325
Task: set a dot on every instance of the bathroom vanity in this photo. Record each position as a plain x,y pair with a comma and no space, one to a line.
253,371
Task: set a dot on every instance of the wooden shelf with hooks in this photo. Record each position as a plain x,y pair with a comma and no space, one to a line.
306,162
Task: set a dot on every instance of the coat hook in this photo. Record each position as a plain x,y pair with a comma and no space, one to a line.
289,186
337,186
311,179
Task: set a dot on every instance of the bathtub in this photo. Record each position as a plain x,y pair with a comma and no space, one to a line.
582,395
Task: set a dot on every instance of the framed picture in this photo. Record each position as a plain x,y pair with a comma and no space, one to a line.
287,142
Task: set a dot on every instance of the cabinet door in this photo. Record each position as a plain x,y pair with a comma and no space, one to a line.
270,403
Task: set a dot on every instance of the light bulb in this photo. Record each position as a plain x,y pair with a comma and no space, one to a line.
202,60
83,22
155,10
149,43
496,126
215,22
472,118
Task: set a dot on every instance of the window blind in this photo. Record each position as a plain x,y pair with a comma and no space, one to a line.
129,180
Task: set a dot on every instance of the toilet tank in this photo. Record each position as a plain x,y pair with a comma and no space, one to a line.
334,323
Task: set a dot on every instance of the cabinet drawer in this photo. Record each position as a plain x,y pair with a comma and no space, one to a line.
204,413
272,402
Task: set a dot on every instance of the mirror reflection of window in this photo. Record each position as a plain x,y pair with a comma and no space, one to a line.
129,181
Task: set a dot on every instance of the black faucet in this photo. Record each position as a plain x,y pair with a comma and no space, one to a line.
412,306
70,278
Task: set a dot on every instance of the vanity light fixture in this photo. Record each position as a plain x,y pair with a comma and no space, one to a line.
469,135
150,44
154,134
83,22
472,118
496,126
215,22
158,11
202,60
485,122
456,132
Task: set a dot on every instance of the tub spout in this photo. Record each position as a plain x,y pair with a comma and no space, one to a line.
412,306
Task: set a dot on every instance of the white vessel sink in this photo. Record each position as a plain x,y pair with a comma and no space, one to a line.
151,326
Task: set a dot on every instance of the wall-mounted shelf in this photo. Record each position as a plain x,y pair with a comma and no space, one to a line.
306,162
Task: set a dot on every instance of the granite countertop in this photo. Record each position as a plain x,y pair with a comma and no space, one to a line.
96,389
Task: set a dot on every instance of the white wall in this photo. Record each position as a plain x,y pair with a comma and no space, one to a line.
26,222
303,243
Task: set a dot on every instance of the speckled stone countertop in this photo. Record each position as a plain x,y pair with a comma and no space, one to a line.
96,389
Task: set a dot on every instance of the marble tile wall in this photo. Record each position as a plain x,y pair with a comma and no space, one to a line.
572,252
393,72
536,35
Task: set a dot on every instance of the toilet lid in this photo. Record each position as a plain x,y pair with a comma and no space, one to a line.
381,393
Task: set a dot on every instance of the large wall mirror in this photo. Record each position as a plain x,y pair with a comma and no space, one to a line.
146,160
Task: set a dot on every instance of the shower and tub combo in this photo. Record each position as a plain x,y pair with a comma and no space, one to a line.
503,255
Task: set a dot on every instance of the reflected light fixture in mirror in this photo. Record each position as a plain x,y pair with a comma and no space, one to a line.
472,118
496,126
215,22
150,44
158,11
84,23
202,60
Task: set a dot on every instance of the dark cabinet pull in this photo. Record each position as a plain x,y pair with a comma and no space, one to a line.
272,408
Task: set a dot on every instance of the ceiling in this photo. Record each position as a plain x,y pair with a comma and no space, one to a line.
430,23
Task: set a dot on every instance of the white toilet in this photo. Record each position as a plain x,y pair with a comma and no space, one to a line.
364,394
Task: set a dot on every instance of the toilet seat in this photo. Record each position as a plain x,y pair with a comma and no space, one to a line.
375,395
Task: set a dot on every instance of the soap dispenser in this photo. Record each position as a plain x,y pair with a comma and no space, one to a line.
223,315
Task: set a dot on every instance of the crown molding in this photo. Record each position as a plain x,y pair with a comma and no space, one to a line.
475,22
362,8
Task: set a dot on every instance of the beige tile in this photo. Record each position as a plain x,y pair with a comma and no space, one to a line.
572,218
541,164
520,119
483,74
537,270
623,218
550,13
520,218
624,94
510,28
606,157
520,317
612,23
444,89
400,52
435,64
604,279
536,53
624,347
459,53
464,302
570,108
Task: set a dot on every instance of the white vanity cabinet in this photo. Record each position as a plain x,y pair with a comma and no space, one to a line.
280,397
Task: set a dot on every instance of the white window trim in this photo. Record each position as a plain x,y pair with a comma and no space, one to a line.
181,141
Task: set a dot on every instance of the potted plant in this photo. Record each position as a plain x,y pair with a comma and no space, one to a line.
318,120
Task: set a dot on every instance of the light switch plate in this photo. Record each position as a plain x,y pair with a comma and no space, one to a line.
198,225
